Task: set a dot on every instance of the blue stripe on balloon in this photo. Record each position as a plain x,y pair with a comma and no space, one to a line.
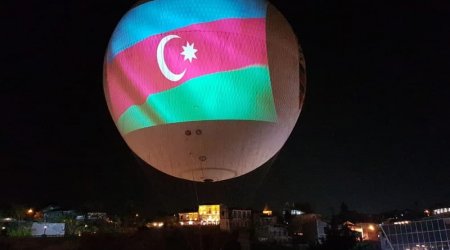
159,16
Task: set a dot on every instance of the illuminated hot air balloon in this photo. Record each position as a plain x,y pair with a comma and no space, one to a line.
204,90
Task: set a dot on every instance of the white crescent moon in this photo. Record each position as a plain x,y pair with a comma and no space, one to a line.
162,63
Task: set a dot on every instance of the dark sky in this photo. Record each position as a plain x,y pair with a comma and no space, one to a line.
374,130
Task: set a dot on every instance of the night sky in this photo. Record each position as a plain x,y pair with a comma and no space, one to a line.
373,132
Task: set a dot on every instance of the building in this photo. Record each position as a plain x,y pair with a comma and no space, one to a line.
277,234
289,211
307,228
188,218
423,234
43,229
443,211
365,231
266,217
207,215
268,229
241,218
97,216
56,214
235,218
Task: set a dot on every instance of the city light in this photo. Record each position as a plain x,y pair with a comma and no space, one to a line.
157,224
402,222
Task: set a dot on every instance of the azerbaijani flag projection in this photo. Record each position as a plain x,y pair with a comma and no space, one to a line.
172,61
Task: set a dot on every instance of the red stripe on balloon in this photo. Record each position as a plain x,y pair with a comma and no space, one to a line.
223,45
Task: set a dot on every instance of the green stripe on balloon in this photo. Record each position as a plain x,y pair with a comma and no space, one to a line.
219,96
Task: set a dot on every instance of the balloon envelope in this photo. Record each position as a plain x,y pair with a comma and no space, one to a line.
204,90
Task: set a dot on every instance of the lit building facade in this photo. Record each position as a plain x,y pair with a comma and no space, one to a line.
209,214
188,218
364,231
445,211
206,215
424,234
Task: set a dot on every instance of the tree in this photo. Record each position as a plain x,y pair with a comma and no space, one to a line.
17,212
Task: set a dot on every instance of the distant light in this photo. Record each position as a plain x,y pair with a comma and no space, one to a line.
30,211
371,227
159,224
267,212
3,228
296,212
401,222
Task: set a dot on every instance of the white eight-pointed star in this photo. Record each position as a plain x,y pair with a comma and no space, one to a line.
189,52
